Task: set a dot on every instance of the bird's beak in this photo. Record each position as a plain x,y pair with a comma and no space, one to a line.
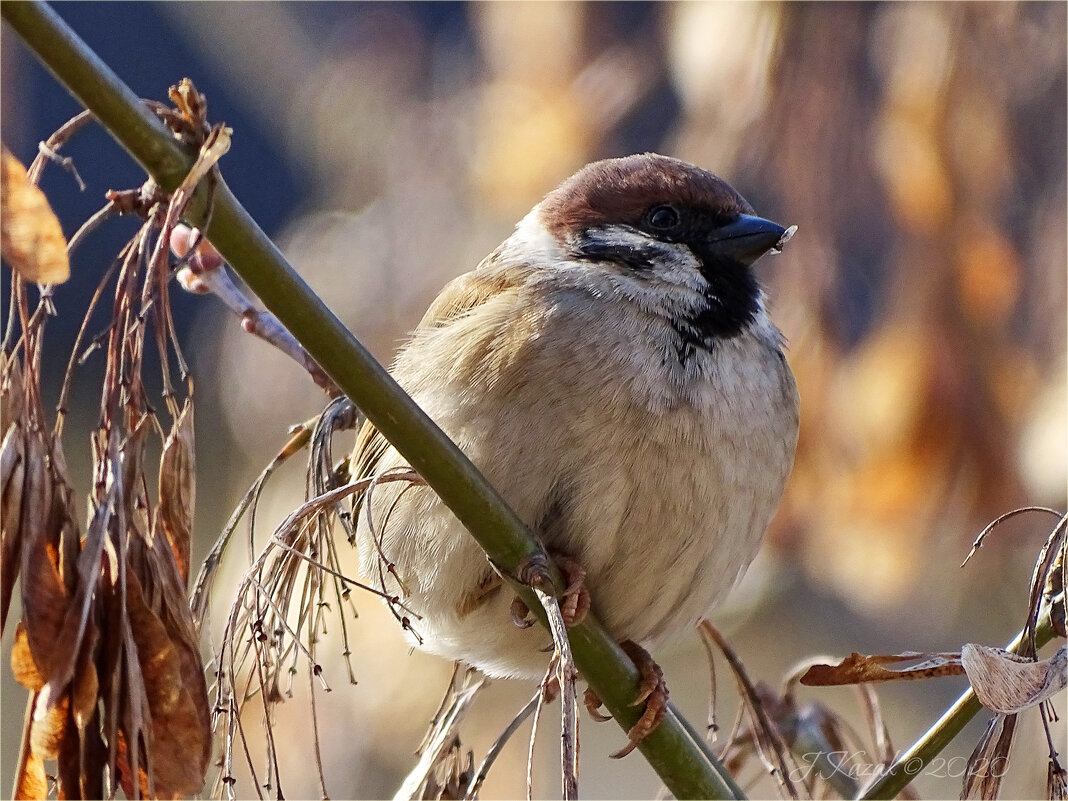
748,238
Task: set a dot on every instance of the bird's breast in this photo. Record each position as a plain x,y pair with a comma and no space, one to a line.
659,476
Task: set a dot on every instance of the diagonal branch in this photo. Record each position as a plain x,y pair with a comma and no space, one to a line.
674,750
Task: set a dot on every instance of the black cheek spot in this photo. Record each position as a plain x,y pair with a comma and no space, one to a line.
634,257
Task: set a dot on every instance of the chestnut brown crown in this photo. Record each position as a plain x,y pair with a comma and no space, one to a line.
623,190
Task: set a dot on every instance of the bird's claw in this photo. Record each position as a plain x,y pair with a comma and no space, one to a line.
593,705
652,691
574,600
520,613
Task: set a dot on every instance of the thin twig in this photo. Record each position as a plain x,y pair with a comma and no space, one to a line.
465,686
566,674
68,376
767,735
1001,519
48,150
498,745
534,726
320,773
204,272
713,727
66,162
99,217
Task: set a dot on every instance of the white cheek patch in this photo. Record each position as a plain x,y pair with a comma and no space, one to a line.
532,242
664,276
667,283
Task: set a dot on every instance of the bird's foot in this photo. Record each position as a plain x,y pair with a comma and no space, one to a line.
574,601
576,597
652,691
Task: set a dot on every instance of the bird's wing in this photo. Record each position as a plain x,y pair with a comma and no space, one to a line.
460,296
469,291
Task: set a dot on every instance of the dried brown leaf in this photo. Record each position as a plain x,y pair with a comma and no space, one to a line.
22,664
112,677
155,651
31,782
80,568
64,517
859,668
177,488
132,458
134,750
124,771
31,237
12,474
65,581
1007,683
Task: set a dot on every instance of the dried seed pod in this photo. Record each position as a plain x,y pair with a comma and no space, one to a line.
1007,683
86,686
46,732
69,763
22,664
44,598
31,781
177,488
11,397
989,761
12,474
173,683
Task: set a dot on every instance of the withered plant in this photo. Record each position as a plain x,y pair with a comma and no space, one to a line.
106,645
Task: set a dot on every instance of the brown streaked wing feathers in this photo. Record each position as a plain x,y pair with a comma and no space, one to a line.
470,290
460,296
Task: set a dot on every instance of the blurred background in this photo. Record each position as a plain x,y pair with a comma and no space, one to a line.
919,147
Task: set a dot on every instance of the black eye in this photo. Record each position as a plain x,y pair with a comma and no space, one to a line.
663,218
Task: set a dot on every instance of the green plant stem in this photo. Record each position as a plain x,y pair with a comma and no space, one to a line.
681,759
911,763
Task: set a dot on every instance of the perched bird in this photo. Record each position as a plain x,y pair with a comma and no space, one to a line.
612,370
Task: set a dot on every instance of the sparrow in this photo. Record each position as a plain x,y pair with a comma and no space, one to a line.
612,370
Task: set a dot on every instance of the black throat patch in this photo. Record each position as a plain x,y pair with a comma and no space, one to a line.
731,301
731,295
